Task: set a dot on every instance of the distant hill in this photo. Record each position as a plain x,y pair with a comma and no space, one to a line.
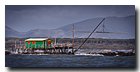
10,32
32,33
113,24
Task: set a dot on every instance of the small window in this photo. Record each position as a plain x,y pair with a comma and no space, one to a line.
48,43
33,42
28,42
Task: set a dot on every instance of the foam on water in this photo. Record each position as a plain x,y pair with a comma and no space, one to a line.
125,50
88,54
38,51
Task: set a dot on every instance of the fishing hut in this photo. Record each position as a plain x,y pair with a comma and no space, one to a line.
43,45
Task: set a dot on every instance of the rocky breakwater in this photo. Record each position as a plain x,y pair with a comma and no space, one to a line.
113,53
7,52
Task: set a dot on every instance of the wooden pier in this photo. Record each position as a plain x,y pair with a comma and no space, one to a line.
56,49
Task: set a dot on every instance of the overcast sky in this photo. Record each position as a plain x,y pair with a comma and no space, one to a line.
27,17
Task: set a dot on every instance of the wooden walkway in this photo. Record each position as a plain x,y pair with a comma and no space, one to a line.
58,49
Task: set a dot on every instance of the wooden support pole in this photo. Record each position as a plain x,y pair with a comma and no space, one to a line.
16,50
68,49
53,50
33,50
64,49
133,49
15,44
73,39
20,50
24,50
20,43
46,50
12,49
59,50
55,41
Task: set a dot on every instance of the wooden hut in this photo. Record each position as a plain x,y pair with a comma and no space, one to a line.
42,43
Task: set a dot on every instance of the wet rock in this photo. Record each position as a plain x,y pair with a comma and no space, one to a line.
109,54
93,53
69,52
125,54
100,53
63,52
133,54
121,53
130,53
88,53
33,53
48,52
113,54
105,54
26,53
7,53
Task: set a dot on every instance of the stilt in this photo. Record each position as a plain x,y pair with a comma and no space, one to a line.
30,50
51,50
25,50
68,49
56,50
64,49
20,50
16,50
47,50
12,49
59,50
133,49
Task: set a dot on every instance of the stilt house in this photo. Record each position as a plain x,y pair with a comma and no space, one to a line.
39,43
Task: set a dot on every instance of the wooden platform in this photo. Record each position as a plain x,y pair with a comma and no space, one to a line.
52,50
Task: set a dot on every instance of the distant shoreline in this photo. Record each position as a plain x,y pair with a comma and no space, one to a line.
103,48
109,48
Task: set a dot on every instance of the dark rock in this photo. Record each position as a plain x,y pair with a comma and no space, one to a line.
130,53
121,54
100,53
109,54
113,53
133,54
88,53
104,54
93,53
54,52
7,53
125,54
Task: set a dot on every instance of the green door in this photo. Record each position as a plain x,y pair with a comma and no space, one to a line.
39,44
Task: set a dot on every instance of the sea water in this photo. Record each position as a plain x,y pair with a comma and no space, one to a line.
47,60
80,59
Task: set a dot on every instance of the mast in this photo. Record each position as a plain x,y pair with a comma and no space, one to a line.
103,28
73,38
89,35
55,40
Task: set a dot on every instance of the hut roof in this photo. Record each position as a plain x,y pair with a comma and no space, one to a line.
36,39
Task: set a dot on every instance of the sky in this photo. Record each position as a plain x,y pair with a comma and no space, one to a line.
23,18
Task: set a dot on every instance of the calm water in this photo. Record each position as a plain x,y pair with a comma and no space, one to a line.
68,61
